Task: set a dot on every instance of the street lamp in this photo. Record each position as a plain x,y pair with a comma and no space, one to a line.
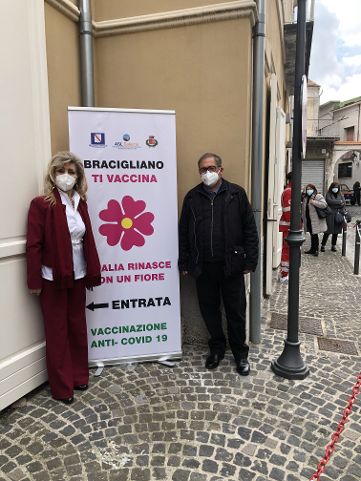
290,364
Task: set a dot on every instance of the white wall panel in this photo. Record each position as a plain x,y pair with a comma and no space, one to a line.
25,142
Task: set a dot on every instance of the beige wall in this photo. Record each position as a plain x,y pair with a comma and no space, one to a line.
62,43
203,72
111,9
274,46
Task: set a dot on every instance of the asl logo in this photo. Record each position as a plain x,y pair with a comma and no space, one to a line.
151,141
126,143
97,139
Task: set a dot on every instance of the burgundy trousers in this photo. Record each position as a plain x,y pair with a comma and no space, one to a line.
66,337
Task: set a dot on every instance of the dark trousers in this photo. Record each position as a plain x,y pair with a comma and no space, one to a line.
325,239
211,285
314,242
66,337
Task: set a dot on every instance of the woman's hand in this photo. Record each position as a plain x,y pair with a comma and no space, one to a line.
35,292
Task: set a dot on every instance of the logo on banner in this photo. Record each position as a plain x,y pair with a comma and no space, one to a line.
126,144
127,223
151,141
97,139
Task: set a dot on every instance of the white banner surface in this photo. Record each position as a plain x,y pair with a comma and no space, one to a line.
130,164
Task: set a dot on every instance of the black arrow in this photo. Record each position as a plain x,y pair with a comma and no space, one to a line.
93,306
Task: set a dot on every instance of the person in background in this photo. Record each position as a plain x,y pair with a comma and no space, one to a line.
62,261
284,227
356,192
218,244
335,201
311,222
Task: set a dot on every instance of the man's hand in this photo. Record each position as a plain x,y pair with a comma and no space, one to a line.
36,292
184,273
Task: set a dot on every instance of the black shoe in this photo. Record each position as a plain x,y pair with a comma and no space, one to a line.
81,387
333,248
309,252
213,360
315,253
68,400
322,248
243,367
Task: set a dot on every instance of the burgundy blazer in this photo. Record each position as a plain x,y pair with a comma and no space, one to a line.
49,243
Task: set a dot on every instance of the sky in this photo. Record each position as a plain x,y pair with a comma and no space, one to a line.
336,49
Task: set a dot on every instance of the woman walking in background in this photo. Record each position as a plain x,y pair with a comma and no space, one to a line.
62,261
311,222
336,202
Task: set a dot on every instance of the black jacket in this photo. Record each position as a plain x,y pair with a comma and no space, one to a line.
238,226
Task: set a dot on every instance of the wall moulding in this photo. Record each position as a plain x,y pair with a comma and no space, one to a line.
66,7
178,18
12,248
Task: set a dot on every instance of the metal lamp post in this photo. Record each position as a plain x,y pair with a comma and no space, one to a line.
290,364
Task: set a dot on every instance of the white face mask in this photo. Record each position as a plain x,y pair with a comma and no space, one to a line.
65,182
335,190
210,178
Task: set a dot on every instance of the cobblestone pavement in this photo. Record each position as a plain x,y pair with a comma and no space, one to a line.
146,421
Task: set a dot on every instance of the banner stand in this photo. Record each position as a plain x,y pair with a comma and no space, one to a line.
129,159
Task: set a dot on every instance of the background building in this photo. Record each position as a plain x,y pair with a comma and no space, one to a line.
333,143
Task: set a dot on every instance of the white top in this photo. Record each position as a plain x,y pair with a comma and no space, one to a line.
77,231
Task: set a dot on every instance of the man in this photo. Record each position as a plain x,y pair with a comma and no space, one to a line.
218,245
284,227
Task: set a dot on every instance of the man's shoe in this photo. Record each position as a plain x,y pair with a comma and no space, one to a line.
81,387
333,248
322,248
243,367
309,252
315,253
213,360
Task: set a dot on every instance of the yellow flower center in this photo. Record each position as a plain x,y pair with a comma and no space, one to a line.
126,223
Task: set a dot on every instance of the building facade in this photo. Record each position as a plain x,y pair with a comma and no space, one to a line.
193,56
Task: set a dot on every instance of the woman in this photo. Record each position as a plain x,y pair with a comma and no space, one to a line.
62,261
356,192
336,202
311,222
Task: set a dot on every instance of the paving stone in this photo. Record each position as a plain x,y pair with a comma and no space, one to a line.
206,450
181,475
198,477
210,466
17,474
227,470
242,460
245,475
44,476
277,474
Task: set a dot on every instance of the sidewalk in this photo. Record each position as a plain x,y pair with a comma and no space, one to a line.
145,422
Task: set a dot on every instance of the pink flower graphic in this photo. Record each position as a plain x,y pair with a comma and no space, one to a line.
128,223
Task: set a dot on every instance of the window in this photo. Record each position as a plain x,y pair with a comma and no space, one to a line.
349,133
345,169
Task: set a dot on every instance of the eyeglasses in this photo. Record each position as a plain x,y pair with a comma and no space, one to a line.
211,168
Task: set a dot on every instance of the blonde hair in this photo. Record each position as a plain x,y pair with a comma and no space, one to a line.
56,163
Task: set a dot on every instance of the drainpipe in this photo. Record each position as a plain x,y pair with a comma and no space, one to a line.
257,161
86,54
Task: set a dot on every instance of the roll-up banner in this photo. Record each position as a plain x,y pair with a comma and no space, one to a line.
130,164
